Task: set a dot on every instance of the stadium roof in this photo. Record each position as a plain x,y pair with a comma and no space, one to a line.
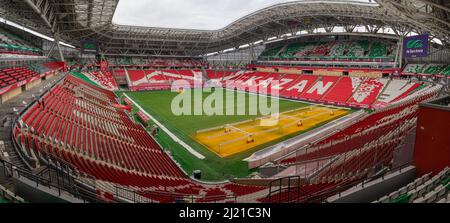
187,14
77,20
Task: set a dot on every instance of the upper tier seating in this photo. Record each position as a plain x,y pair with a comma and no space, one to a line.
446,71
272,52
155,62
378,50
358,49
12,44
292,49
78,123
333,50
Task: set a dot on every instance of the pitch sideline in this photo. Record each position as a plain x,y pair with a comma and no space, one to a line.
173,136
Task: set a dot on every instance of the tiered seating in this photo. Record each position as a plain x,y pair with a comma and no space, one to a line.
271,53
53,65
393,91
357,135
104,78
446,71
368,92
434,68
11,44
78,123
137,77
292,49
413,68
425,189
333,50
320,88
358,49
249,81
158,63
155,77
307,193
215,74
437,70
378,50
194,77
340,49
415,90
120,76
343,90
300,85
124,61
163,79
305,49
322,49
143,118
359,161
10,76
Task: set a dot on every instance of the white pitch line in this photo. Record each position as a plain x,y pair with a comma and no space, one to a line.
173,136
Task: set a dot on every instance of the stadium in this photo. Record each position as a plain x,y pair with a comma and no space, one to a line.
140,101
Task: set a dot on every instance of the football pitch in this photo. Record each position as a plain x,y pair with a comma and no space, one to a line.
193,129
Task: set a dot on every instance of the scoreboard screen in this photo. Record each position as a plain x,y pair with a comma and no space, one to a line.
89,47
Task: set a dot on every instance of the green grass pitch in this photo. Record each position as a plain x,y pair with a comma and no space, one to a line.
214,168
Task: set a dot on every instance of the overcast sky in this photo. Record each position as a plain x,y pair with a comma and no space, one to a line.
189,14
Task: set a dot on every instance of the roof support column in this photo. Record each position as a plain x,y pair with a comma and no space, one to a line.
399,55
61,55
50,51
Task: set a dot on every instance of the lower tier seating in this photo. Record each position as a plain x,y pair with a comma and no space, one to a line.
344,91
104,78
427,69
78,123
428,188
163,79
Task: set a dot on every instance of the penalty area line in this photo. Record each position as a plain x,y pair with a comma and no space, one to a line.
173,136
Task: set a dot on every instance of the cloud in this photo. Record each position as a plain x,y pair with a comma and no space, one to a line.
187,14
